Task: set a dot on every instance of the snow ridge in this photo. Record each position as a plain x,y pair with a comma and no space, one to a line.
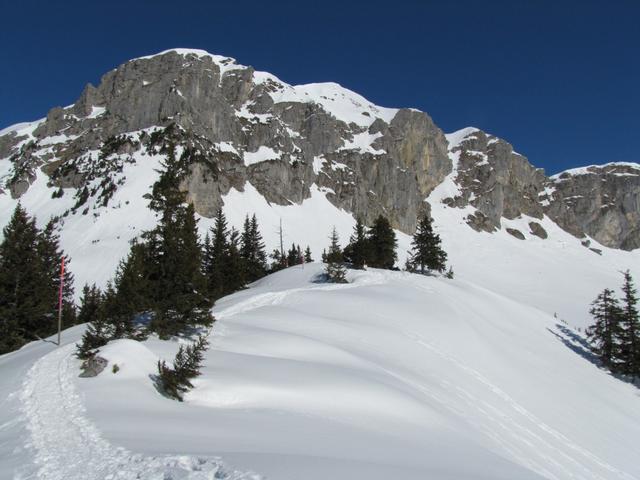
68,446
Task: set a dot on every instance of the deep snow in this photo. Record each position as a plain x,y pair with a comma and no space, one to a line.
394,375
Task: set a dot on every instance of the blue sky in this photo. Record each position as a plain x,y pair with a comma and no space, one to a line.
557,79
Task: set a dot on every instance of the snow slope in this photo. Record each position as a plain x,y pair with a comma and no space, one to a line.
391,376
558,275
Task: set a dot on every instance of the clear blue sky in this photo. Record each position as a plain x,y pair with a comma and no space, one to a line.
558,79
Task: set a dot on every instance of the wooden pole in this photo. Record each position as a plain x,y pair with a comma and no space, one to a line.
60,300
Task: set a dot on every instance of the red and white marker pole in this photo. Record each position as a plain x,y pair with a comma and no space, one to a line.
60,300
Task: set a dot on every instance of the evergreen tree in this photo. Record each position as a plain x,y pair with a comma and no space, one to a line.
176,381
604,334
630,354
51,255
294,256
30,263
335,252
95,336
132,281
89,303
121,302
426,248
100,330
173,257
307,255
278,261
357,252
252,250
21,282
215,254
233,268
334,269
382,243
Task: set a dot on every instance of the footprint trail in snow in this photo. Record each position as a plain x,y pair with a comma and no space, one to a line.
68,446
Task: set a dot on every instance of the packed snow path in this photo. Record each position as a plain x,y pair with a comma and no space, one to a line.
67,446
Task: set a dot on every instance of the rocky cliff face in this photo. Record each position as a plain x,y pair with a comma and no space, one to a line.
233,125
252,128
494,179
601,201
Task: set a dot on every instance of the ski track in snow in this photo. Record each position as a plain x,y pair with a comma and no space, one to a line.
514,424
513,428
68,446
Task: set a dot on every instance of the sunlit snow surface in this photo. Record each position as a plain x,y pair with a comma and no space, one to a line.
393,375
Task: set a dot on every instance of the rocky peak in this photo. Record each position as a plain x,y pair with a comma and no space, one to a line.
493,178
253,127
235,125
603,201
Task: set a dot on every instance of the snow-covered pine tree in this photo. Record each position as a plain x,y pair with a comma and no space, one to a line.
334,269
630,354
604,334
426,248
358,252
382,243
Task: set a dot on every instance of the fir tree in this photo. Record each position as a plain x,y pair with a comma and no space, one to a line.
334,269
630,354
173,257
29,282
357,252
294,255
51,255
215,254
233,268
132,281
449,273
21,282
426,248
252,250
100,330
278,261
382,243
604,334
176,381
89,303
307,255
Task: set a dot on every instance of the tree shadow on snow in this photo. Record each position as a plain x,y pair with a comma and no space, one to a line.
578,344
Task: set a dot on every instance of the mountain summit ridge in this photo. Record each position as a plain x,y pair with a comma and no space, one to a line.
249,138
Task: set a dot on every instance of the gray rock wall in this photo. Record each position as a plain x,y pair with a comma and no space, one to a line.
214,101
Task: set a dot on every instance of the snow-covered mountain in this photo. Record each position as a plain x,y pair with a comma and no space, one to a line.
391,376
314,156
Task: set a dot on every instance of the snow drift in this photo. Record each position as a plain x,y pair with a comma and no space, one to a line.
393,375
